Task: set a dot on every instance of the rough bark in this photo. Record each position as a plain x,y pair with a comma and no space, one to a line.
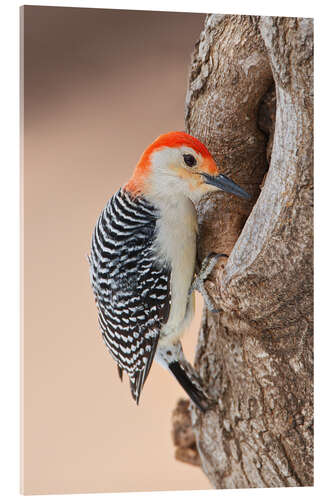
182,434
256,356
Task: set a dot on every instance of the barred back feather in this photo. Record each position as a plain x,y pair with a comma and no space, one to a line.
131,287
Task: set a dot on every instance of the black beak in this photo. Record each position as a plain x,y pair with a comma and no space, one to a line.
226,184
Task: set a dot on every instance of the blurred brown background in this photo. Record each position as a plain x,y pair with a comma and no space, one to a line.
99,86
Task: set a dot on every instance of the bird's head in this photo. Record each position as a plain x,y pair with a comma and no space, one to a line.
178,164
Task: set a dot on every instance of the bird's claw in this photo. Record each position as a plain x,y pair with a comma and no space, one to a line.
207,266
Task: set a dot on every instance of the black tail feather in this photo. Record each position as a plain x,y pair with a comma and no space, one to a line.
120,373
194,392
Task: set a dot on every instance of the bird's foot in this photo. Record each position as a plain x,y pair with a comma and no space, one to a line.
198,284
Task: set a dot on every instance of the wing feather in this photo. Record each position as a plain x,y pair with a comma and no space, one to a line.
131,287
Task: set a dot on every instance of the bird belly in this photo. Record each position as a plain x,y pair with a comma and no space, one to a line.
173,330
180,252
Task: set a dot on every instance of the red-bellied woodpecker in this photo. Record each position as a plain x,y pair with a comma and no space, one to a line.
143,256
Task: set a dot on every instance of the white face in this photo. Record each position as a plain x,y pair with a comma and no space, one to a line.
179,171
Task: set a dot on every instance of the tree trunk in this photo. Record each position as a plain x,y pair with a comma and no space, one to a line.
256,356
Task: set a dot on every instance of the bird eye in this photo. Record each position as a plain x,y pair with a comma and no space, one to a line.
190,160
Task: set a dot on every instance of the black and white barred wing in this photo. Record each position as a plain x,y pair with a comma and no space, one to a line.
132,291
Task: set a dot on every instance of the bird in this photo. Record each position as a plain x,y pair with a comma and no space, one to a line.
143,260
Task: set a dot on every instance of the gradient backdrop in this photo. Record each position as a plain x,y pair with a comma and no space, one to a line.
99,86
